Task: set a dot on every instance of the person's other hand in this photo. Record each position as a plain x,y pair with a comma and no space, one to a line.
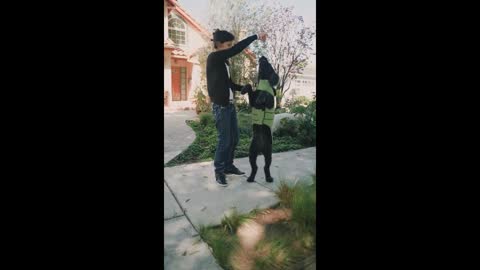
262,36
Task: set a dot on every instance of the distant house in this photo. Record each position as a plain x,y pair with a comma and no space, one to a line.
183,37
304,84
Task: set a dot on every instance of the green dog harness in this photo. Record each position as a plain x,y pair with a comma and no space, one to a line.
264,117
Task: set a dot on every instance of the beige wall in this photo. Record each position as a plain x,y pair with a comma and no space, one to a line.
195,40
165,20
167,72
302,89
195,80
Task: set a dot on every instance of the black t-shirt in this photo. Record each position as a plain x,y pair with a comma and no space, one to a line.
218,81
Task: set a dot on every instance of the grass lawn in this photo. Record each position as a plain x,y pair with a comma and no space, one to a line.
203,147
288,244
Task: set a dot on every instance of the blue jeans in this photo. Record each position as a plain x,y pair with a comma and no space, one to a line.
227,127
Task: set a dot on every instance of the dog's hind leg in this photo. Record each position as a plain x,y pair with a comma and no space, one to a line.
268,154
252,156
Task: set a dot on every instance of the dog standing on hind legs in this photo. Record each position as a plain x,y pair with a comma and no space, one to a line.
262,101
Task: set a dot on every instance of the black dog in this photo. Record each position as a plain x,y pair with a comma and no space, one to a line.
262,103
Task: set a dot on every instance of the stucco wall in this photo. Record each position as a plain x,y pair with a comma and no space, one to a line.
195,80
195,40
167,71
165,21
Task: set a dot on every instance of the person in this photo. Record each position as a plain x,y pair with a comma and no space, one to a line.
221,92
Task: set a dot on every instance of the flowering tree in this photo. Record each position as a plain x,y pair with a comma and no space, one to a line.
231,15
289,42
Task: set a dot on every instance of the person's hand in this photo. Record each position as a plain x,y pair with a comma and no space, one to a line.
262,36
246,89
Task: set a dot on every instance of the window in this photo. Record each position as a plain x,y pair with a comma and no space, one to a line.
177,30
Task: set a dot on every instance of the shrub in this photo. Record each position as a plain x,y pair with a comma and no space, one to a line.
308,125
292,135
296,103
202,103
275,254
282,144
222,244
303,128
304,208
301,198
231,222
280,110
206,118
288,127
244,124
243,106
285,194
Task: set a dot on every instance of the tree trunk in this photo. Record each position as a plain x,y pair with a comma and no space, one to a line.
279,100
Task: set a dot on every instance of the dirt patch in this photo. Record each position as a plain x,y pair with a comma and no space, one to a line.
272,216
251,232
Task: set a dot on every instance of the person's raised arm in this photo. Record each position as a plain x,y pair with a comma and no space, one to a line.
237,48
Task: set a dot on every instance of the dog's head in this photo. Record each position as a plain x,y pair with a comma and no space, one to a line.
266,72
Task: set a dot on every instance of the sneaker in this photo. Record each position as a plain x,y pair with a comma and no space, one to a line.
220,178
235,170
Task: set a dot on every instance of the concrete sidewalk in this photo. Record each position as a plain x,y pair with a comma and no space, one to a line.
192,198
177,135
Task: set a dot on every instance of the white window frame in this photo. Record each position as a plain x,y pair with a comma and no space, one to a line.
173,16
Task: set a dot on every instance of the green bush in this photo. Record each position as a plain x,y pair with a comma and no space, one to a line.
295,104
301,198
202,103
280,110
304,208
206,118
243,106
244,124
308,125
293,135
231,222
288,127
223,244
303,128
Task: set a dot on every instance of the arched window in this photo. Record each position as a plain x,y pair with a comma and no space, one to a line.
177,30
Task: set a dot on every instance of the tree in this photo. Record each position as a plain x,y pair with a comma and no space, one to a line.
289,42
232,15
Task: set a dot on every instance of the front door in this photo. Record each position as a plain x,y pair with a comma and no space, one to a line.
179,83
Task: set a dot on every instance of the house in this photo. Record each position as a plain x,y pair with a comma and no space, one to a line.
183,38
304,84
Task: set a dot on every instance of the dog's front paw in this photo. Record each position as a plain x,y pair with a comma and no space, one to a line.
251,179
269,179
